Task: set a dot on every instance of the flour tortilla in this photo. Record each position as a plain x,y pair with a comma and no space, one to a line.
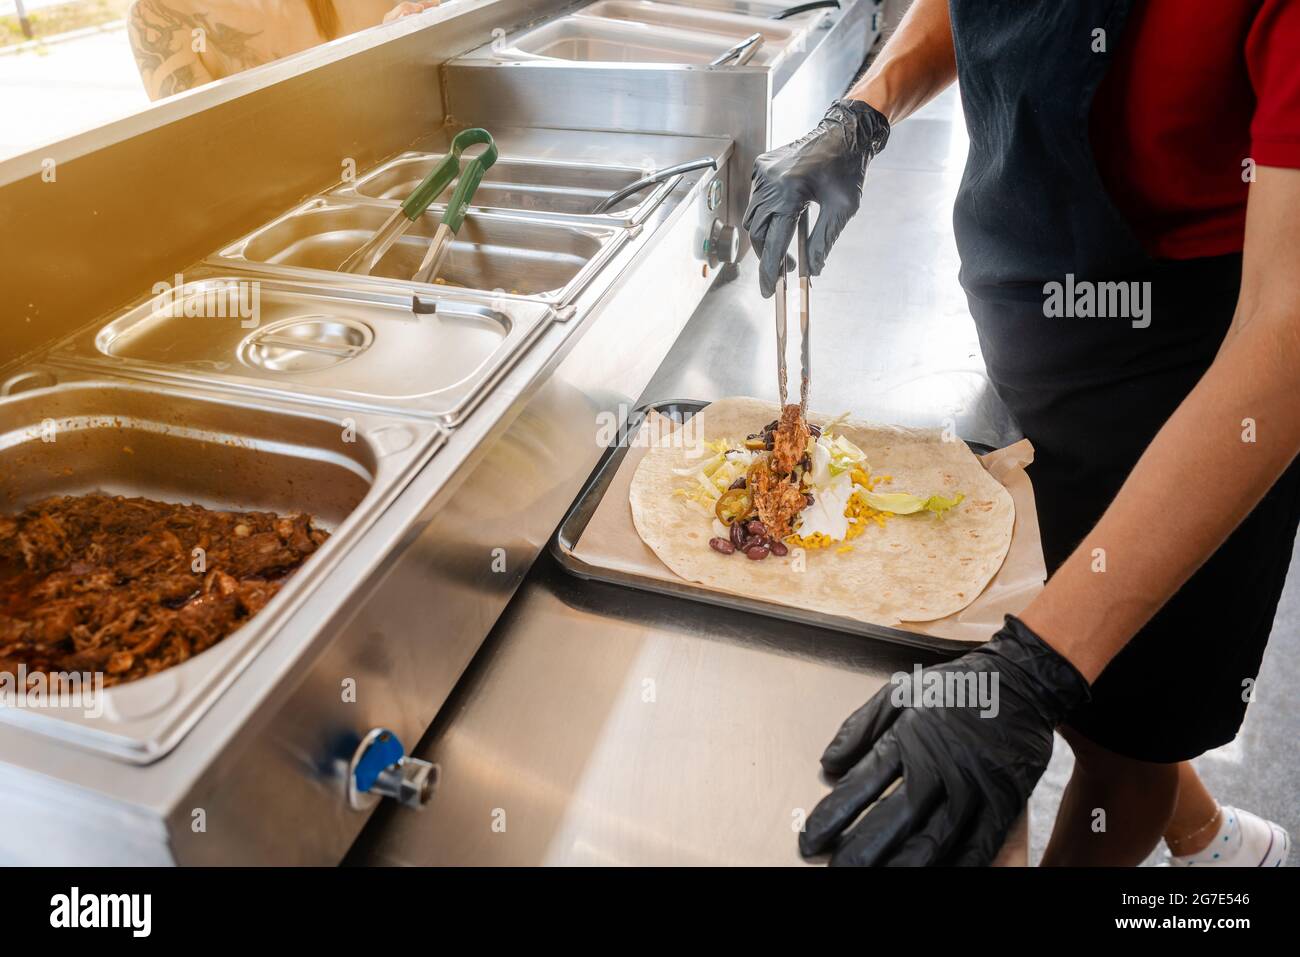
916,568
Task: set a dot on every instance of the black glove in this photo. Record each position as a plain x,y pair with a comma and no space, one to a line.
965,777
825,167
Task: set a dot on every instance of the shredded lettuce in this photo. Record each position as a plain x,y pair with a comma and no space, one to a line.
715,475
905,503
844,454
832,456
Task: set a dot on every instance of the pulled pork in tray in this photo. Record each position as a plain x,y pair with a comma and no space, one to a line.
103,583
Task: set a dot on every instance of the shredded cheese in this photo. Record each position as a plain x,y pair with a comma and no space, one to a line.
858,512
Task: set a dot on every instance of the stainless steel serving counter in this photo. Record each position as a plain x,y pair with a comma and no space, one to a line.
603,726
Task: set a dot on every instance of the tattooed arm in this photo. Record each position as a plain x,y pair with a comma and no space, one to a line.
167,42
163,43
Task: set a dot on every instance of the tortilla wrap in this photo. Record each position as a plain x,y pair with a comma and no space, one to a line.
916,568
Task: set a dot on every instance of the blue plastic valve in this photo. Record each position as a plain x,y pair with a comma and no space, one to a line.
383,752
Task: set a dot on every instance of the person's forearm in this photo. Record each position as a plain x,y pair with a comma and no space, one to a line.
1202,474
915,65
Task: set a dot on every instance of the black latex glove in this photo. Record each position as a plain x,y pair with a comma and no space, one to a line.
825,167
965,778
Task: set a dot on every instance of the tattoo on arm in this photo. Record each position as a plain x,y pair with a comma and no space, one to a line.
161,35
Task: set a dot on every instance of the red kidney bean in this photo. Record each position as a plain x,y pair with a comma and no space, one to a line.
808,496
756,552
816,430
737,535
756,528
779,549
806,462
722,545
739,483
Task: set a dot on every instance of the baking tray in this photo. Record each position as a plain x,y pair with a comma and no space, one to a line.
575,522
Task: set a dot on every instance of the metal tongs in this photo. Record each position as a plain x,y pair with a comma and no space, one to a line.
368,256
805,370
454,214
650,179
741,53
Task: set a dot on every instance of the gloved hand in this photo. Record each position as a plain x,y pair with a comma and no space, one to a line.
825,167
965,777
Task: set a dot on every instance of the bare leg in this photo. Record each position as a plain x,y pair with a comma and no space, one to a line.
1196,814
1114,809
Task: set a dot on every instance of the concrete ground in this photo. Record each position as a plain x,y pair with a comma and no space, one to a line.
58,89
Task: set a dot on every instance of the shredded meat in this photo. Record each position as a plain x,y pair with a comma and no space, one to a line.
790,441
103,583
778,501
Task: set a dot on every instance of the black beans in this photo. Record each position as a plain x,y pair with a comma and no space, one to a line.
756,553
806,462
756,529
808,497
722,545
769,442
771,426
739,483
738,535
816,430
779,549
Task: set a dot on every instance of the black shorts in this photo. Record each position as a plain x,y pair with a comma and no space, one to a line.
1181,685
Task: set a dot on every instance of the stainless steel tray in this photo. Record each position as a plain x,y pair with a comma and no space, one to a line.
571,529
595,39
316,343
731,24
495,256
546,187
67,433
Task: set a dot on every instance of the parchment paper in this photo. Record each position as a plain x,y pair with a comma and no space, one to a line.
610,541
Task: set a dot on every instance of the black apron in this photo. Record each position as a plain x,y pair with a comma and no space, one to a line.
1091,393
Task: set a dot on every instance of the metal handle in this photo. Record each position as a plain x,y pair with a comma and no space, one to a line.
805,352
616,197
742,52
805,7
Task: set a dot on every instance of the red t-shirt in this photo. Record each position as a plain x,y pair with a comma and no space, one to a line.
1196,88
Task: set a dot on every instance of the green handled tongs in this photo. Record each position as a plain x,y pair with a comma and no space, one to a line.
367,257
454,214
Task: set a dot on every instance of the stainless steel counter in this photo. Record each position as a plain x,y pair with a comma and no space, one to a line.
603,726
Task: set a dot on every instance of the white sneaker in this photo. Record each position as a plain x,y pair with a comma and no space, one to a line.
1243,840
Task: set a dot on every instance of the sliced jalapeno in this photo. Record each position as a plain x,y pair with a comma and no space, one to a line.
733,506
